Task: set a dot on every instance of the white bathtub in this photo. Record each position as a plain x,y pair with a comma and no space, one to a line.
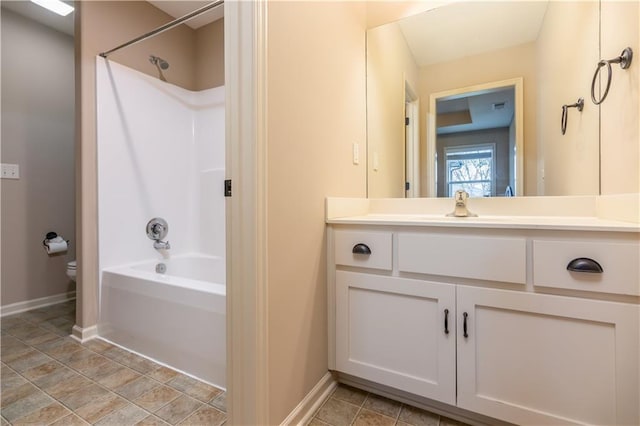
177,318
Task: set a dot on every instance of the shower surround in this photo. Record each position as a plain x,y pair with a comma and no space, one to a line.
161,154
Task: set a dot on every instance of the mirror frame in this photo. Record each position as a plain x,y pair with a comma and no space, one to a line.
518,85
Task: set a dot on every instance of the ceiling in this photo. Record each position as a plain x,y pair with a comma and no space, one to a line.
64,24
480,107
442,34
39,14
178,9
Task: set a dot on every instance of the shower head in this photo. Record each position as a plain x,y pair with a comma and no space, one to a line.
160,63
156,60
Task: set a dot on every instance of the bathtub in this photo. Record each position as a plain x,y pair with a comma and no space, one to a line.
176,318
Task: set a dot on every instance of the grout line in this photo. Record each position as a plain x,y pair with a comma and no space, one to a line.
357,414
359,408
399,412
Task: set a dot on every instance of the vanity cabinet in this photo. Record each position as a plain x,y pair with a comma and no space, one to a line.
491,322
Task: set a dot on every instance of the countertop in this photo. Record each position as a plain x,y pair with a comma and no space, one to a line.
565,223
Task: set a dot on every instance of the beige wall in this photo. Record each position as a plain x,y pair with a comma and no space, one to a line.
621,110
570,162
209,59
100,26
110,23
389,65
316,110
518,61
38,135
196,57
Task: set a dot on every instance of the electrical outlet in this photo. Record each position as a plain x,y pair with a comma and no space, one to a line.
10,171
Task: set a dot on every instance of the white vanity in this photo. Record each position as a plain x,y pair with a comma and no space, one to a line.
480,317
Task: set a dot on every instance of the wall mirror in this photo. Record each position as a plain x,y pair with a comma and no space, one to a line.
466,61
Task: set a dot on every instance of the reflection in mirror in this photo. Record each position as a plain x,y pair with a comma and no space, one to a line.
551,46
477,138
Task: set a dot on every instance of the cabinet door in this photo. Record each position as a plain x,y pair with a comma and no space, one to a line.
392,331
540,359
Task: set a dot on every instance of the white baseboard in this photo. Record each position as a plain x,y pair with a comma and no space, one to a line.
27,305
312,401
83,335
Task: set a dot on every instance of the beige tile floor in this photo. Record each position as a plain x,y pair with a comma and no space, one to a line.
350,406
50,379
47,378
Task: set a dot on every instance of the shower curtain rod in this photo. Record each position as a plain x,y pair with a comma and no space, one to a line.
165,27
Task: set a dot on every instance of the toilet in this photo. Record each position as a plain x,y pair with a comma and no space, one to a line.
71,270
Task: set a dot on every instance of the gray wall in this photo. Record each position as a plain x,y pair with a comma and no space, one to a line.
37,134
498,136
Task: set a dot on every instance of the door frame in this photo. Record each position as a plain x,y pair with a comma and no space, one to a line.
246,211
412,142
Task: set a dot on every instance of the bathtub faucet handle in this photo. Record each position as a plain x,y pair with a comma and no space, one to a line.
157,229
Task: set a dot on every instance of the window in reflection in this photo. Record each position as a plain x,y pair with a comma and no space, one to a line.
471,168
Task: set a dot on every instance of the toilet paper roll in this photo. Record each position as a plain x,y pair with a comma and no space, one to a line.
55,246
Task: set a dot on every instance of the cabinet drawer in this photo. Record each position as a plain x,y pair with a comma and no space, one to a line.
483,258
379,243
619,261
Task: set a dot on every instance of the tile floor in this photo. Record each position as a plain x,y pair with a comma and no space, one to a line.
351,406
50,379
47,378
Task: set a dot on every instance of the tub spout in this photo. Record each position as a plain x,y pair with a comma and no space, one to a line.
161,245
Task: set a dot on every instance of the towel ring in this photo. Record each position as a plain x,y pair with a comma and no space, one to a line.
625,62
565,112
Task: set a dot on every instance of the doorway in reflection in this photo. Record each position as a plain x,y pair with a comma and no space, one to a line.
476,143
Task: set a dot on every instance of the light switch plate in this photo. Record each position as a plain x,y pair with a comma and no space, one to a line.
356,153
10,171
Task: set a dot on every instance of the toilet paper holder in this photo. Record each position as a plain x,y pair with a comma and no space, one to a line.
48,240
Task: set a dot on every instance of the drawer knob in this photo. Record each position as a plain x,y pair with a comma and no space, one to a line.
361,249
584,264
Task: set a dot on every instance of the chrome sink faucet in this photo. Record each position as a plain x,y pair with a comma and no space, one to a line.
460,209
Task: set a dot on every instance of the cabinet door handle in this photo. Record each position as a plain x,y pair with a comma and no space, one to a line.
584,264
361,249
464,325
446,321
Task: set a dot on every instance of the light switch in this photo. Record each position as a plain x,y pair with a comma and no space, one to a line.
10,171
356,153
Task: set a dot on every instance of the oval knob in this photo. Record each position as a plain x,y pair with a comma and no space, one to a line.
361,249
584,264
